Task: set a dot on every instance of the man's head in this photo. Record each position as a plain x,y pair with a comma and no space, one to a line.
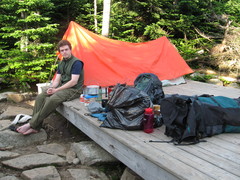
65,48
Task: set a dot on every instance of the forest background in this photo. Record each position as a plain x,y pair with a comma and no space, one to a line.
205,32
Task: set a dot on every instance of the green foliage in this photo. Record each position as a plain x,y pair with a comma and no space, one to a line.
19,68
121,27
155,31
27,58
190,48
80,11
86,15
29,29
202,78
225,81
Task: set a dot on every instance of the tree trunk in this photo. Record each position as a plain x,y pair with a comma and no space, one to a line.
106,17
24,39
95,16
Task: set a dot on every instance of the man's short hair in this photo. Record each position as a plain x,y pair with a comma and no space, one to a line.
64,43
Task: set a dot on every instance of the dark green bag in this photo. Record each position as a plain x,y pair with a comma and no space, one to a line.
190,118
226,109
151,85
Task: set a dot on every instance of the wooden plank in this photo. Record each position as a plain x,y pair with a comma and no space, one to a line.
124,146
198,88
118,149
223,144
186,155
230,137
218,158
215,160
232,156
203,153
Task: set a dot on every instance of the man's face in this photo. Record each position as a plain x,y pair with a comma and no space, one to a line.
65,51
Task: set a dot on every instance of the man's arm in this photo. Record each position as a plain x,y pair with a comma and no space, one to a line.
56,81
69,84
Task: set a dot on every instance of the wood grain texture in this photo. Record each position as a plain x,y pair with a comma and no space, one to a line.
218,158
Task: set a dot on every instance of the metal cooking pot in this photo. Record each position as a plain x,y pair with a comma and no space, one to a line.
92,90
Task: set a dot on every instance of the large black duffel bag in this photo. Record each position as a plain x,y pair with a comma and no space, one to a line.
190,118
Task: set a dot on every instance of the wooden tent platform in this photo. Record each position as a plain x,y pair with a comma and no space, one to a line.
218,158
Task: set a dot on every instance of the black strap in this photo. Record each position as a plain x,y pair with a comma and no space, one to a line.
189,143
178,143
214,100
158,141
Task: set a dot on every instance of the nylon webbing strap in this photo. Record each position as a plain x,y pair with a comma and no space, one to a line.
214,100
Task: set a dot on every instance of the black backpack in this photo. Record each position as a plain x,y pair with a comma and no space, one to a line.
191,118
151,85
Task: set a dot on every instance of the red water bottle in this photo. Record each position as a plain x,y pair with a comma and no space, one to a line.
148,120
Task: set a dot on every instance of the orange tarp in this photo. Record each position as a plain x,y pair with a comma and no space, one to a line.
108,62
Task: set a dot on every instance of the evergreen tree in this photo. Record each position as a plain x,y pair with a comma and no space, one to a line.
28,28
27,53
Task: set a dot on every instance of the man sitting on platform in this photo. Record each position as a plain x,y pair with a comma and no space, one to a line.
67,85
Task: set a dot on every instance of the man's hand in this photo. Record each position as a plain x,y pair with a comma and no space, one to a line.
69,84
51,90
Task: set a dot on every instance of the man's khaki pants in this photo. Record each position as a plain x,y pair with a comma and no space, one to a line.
46,104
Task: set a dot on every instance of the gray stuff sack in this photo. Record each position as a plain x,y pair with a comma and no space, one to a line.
95,107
